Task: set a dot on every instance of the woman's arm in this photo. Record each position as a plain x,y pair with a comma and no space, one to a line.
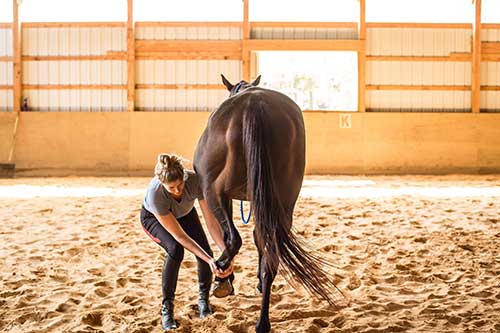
170,223
213,225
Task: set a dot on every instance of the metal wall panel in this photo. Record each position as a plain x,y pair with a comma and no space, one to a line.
490,74
6,70
179,99
418,73
490,101
75,72
490,35
417,41
76,100
433,101
195,72
190,33
304,33
6,42
6,73
186,71
73,41
6,100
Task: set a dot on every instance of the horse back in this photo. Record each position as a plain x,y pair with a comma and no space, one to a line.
223,155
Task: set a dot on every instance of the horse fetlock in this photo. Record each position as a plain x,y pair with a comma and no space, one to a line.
224,260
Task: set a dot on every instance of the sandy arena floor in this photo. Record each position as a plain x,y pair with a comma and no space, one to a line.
416,254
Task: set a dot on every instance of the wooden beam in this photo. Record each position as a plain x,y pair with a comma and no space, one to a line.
193,55
187,24
415,87
419,25
181,86
490,57
490,25
74,86
6,87
304,45
490,88
5,25
462,57
114,55
74,25
490,47
318,25
245,53
16,47
476,59
130,58
222,46
362,58
6,58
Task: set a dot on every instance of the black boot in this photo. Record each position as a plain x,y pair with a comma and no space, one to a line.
170,273
203,303
167,316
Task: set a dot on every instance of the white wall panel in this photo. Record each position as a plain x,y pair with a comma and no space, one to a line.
190,33
6,43
490,101
418,73
45,41
304,33
393,100
85,72
490,35
76,100
417,41
6,73
6,100
179,100
186,71
490,73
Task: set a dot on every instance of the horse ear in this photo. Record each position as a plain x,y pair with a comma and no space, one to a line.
228,84
256,81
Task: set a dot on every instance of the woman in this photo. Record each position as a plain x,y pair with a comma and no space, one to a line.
168,216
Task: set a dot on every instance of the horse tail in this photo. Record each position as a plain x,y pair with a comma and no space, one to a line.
273,233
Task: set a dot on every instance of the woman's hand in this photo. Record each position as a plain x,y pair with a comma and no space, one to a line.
218,272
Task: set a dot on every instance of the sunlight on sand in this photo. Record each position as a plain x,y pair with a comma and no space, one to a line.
311,188
30,191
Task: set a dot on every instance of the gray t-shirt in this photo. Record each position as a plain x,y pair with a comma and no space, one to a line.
159,201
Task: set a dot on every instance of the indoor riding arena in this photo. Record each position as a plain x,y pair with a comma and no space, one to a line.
400,198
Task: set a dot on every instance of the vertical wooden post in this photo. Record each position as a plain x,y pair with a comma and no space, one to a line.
16,48
362,57
245,52
476,59
130,58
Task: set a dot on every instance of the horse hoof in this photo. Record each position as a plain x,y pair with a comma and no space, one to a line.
223,288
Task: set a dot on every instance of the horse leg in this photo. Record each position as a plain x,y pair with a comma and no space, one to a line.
259,284
267,277
223,211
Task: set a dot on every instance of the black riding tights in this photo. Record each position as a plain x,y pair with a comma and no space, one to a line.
175,251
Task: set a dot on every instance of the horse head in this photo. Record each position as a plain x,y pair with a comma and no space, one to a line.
240,86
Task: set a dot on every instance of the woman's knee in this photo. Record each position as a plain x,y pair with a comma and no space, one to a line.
176,252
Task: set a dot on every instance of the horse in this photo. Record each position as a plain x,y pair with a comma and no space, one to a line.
253,149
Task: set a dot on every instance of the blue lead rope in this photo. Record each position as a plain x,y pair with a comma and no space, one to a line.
245,221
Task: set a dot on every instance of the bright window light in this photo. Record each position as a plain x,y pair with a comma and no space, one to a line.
299,10
425,11
73,10
314,80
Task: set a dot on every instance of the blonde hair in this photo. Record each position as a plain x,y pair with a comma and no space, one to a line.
169,168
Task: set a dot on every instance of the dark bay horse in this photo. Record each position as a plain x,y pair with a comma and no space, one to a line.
253,148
